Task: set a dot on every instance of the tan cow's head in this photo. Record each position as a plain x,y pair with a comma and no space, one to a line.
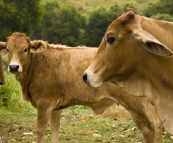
115,58
19,48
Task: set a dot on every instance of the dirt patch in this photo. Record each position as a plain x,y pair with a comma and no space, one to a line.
115,112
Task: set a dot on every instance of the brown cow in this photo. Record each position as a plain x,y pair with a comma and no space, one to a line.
135,53
51,80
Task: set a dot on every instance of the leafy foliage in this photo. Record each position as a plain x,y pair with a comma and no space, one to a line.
96,27
61,24
160,10
64,24
98,21
19,15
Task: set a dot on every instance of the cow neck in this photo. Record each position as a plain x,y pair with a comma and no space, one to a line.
24,78
151,74
160,68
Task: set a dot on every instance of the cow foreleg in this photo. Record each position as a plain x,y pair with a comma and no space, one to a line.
43,116
150,133
55,123
150,125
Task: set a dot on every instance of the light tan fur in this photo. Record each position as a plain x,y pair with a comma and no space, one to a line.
140,61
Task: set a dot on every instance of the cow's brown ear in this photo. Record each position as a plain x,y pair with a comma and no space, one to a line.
2,45
38,46
150,43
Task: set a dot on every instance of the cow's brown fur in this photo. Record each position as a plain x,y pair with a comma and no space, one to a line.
52,80
140,61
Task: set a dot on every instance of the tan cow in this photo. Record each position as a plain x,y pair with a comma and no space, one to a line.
135,53
51,80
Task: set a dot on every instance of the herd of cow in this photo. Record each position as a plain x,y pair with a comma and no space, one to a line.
133,66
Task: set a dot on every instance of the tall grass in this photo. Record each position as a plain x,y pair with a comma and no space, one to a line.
10,92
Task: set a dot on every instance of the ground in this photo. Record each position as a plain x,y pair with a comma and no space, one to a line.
78,125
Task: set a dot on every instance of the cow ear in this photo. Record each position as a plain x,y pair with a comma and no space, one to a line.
150,43
38,46
2,45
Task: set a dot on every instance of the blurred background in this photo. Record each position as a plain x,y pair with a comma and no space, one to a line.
72,22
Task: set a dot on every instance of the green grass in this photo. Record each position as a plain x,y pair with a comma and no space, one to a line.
10,92
78,125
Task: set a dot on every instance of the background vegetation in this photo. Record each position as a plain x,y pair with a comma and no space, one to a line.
19,15
72,23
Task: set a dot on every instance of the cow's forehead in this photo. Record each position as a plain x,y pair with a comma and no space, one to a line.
119,27
127,21
17,41
114,25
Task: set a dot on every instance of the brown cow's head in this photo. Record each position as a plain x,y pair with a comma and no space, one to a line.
116,57
19,48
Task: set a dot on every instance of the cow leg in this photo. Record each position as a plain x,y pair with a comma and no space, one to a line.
150,133
55,123
150,125
43,116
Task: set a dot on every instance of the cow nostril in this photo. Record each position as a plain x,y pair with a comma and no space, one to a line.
85,78
14,68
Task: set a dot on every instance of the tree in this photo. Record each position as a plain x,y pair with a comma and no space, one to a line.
99,20
49,17
61,24
19,15
163,16
114,12
160,10
96,27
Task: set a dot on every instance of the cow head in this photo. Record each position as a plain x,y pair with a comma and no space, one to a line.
19,48
116,57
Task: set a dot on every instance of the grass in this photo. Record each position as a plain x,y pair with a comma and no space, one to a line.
78,125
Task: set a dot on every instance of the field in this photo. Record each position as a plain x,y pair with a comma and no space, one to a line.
78,125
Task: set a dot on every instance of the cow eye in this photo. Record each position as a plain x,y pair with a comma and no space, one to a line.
8,50
110,40
25,50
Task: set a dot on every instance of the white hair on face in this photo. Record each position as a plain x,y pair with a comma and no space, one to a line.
92,79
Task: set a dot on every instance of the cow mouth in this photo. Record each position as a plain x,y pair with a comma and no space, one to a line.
14,72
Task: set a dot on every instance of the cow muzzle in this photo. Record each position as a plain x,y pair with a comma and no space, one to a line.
14,68
92,80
